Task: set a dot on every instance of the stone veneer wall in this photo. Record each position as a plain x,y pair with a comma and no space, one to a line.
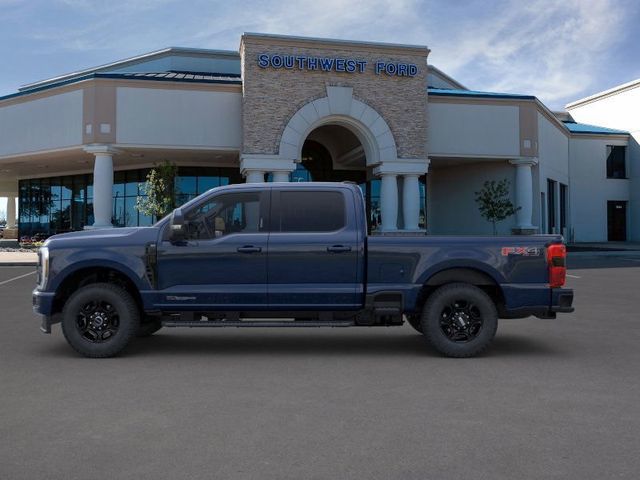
272,96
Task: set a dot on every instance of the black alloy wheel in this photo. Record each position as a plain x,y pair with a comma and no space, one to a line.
97,321
459,320
100,319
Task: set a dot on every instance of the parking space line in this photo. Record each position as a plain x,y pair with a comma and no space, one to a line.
17,278
573,276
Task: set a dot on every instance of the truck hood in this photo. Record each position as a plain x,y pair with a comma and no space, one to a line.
109,236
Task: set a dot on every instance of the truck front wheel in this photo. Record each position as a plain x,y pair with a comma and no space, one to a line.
99,320
459,320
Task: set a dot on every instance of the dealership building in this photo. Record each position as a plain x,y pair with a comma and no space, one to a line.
75,148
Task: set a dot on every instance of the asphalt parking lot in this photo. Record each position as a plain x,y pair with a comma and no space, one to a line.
551,399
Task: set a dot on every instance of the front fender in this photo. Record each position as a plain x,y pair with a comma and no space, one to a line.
131,266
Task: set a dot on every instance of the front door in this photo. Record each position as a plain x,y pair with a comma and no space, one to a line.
617,221
222,265
314,259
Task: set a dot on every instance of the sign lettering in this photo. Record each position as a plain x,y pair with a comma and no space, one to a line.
329,64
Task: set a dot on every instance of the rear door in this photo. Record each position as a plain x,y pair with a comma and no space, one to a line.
313,261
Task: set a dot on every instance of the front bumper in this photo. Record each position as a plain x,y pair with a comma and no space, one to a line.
43,305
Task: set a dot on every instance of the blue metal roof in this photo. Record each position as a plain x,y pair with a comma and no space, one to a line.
593,129
159,76
450,92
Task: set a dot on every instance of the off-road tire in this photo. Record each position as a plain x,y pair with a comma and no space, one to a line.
434,321
119,301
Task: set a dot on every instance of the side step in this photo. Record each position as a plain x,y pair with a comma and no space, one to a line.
259,323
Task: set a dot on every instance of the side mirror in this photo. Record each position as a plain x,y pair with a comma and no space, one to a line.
177,230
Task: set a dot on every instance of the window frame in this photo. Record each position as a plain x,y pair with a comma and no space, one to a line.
264,208
625,173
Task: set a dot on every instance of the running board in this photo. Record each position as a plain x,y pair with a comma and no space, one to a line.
258,324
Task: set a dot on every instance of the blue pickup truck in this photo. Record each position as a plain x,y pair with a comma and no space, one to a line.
291,255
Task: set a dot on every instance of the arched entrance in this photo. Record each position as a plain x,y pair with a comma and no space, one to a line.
333,153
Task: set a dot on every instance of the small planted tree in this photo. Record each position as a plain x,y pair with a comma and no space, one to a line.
158,192
494,203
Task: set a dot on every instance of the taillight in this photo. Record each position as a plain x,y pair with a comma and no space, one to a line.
557,258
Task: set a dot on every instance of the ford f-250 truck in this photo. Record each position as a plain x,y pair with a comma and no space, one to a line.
291,255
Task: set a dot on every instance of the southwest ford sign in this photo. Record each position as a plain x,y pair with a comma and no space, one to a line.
329,64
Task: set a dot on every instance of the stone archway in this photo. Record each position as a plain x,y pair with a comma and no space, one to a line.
340,108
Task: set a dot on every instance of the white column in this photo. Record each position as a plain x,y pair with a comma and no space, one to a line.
280,176
524,192
410,201
102,184
389,202
254,176
11,212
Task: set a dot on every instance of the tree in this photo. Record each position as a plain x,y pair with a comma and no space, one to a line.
494,203
158,192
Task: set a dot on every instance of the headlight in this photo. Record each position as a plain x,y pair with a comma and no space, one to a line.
44,267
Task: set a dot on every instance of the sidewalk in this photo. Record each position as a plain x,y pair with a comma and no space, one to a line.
604,247
18,259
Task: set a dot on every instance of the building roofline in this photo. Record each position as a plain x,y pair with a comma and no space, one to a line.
541,107
605,93
128,61
448,78
450,92
120,76
419,49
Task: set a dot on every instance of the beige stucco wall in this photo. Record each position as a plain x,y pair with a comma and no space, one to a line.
272,96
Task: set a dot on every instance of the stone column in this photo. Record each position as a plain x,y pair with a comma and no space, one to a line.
409,170
280,175
410,201
524,195
102,185
253,166
11,212
389,202
254,176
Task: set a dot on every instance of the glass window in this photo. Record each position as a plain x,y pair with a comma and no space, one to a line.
131,214
207,183
65,225
186,185
67,188
131,184
224,215
119,180
616,167
118,218
311,211
563,206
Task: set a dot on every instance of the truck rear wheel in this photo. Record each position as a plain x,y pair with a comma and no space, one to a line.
99,320
459,320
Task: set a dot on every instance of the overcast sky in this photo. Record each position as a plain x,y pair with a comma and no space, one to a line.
557,50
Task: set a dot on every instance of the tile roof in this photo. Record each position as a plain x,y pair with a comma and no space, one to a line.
449,92
575,127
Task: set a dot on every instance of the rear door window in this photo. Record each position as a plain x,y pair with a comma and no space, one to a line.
311,211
